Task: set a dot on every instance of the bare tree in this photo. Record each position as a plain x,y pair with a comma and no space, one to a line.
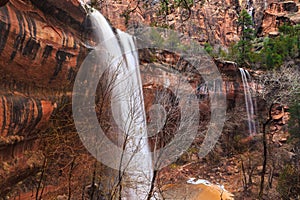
278,87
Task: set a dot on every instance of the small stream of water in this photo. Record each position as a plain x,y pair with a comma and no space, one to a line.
248,100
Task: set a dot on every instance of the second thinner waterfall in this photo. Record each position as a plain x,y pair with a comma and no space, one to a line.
127,107
248,101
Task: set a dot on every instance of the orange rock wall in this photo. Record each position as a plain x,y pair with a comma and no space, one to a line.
279,13
35,51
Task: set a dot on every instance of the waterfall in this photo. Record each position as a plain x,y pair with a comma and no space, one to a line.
250,9
265,4
127,107
248,101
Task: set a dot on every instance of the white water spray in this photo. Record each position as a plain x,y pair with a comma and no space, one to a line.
250,9
127,107
248,101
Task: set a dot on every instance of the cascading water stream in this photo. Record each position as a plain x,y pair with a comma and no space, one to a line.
250,9
127,107
248,101
265,4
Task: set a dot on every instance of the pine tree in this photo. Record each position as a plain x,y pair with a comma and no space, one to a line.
244,46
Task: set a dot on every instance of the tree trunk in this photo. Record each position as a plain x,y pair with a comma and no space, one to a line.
265,152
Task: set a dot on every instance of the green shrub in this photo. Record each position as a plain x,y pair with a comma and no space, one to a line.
208,48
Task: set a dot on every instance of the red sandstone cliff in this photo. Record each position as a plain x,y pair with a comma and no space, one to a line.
279,13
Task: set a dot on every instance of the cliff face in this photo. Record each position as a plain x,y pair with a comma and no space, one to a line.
279,13
41,50
40,53
42,45
208,21
38,49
